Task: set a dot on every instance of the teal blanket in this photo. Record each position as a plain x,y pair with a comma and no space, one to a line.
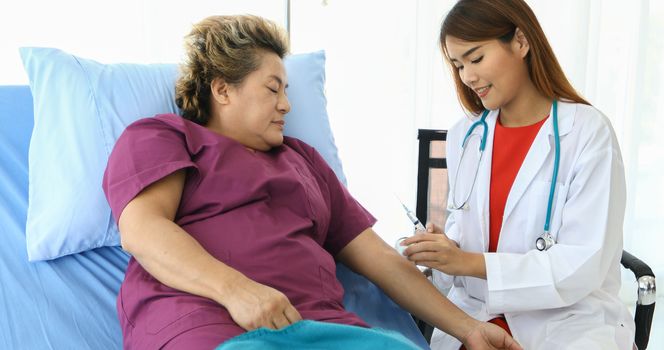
314,335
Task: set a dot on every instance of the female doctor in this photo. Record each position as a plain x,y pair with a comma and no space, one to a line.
537,191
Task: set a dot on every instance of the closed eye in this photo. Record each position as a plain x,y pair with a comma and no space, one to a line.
477,60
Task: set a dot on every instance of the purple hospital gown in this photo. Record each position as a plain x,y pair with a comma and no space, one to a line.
279,217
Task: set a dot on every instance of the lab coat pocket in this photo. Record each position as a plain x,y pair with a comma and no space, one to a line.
578,331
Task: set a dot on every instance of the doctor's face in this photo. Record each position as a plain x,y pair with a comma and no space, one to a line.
497,72
254,111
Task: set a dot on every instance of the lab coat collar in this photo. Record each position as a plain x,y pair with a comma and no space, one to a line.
566,113
541,150
534,160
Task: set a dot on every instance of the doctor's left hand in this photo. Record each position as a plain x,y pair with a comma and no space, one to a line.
435,250
487,336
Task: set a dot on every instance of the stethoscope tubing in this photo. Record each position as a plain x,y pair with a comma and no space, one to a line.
554,177
556,165
485,127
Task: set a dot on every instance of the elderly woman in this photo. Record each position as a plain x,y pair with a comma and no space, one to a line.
234,227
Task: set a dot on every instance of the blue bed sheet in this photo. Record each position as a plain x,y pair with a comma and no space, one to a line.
69,303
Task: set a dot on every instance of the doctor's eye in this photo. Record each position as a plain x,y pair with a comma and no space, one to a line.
477,60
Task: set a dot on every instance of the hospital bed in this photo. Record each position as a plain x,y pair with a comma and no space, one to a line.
70,302
431,205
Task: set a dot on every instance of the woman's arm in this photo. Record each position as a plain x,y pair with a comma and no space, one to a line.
370,256
176,259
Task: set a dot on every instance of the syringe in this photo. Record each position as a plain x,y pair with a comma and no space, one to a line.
413,218
416,222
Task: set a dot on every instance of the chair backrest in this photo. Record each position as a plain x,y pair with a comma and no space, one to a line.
432,190
432,177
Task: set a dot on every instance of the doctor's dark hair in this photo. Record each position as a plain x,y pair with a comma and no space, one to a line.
226,47
482,20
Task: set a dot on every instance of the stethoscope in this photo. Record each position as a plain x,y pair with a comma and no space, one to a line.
545,240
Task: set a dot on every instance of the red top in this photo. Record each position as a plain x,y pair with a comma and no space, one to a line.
510,146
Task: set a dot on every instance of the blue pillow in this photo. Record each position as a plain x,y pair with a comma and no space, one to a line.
82,106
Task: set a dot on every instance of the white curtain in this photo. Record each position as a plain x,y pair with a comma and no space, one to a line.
135,31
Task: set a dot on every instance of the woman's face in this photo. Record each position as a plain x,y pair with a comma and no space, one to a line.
495,71
254,112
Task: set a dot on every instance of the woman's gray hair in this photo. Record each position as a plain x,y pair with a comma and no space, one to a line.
227,47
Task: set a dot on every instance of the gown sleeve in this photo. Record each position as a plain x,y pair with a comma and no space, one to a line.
147,151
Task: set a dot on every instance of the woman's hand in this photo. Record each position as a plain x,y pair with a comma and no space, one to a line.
253,305
487,336
435,250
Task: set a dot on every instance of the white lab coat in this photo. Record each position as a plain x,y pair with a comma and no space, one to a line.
566,297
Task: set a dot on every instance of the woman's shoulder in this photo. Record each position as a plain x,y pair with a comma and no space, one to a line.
297,144
460,127
305,151
169,126
464,122
590,127
300,147
589,119
159,121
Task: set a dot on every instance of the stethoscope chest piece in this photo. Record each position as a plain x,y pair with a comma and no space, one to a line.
544,242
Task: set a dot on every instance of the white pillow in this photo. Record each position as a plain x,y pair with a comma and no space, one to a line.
81,107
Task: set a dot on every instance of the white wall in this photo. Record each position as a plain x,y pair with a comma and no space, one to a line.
141,31
371,93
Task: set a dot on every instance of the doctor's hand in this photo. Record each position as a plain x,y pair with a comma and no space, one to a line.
253,305
435,250
487,336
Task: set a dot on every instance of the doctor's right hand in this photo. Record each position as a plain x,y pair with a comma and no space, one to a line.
433,249
253,305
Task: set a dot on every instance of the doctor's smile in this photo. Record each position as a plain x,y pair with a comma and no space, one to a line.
483,91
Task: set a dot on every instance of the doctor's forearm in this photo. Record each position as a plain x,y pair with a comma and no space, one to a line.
475,265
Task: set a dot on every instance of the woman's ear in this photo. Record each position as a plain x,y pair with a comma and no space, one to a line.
520,43
220,91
